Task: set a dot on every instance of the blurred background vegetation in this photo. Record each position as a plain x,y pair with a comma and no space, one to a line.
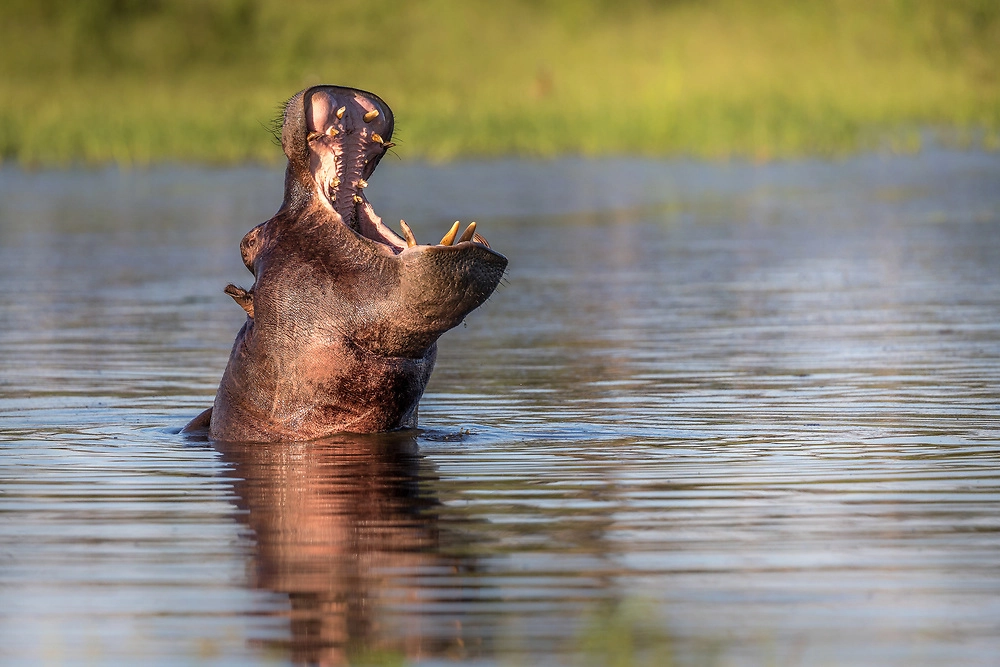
137,81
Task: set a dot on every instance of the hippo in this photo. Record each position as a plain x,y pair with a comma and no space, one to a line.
344,313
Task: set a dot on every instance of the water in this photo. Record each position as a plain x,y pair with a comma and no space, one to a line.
718,414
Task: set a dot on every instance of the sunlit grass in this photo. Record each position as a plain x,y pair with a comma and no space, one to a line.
112,80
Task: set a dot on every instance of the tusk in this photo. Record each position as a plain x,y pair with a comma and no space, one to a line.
358,199
467,234
377,137
411,240
371,115
449,238
314,136
340,112
331,131
362,183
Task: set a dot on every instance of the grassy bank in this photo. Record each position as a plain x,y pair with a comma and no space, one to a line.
137,81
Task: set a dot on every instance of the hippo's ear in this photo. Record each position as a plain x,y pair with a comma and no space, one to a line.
244,298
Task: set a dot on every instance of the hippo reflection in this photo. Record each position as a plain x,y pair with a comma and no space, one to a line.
345,528
344,315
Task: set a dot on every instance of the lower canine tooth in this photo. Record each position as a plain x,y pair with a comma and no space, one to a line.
467,234
411,240
449,238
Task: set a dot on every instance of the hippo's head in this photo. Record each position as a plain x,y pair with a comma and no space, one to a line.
344,313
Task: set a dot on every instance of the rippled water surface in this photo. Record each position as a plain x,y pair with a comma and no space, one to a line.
718,414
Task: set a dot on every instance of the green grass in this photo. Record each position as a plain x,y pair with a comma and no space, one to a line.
139,81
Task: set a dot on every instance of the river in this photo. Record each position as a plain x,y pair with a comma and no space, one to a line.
717,414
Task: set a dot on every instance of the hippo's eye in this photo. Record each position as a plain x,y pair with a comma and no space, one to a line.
251,242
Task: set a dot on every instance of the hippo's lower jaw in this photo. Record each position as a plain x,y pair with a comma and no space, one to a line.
344,314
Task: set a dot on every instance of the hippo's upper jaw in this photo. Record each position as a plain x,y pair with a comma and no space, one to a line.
344,314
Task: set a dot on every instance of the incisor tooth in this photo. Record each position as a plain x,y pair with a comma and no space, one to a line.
467,234
449,238
411,240
340,112
371,115
335,182
362,183
313,136
331,131
376,137
358,199
387,145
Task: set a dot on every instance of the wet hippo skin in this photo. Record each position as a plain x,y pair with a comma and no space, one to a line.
344,314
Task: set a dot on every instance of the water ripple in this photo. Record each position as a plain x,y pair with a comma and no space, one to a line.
717,415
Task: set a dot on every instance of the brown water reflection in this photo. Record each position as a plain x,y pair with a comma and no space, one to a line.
720,414
344,529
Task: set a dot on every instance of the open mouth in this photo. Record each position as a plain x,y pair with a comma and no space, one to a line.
348,131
